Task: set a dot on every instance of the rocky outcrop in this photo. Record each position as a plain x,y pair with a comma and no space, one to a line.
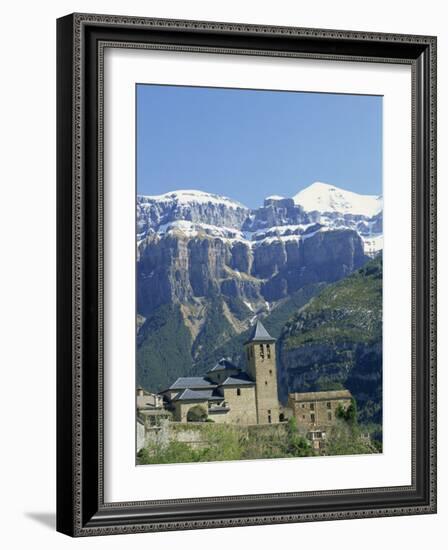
193,206
276,212
364,225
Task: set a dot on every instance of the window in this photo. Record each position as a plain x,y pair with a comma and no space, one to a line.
328,404
268,350
270,372
303,416
261,351
238,391
269,411
312,406
265,382
313,417
303,405
269,419
329,416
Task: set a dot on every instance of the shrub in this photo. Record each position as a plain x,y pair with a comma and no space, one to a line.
197,414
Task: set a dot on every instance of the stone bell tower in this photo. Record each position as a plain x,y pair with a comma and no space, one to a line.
261,367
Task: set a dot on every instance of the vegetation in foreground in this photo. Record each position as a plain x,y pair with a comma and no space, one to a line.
227,442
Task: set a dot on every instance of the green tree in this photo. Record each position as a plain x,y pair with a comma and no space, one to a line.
297,445
350,414
344,440
175,452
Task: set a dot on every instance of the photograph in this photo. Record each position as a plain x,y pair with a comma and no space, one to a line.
259,271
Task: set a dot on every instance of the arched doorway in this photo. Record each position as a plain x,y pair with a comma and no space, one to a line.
197,414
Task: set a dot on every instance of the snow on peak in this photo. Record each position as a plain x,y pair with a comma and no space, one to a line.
323,197
193,196
275,198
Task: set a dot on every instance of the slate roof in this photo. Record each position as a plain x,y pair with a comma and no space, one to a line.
192,382
195,395
259,334
222,365
241,379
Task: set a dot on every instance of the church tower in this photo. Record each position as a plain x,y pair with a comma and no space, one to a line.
261,367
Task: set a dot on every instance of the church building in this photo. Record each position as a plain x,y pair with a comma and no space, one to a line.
227,394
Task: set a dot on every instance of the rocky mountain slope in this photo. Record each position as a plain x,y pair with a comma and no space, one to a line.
335,341
208,266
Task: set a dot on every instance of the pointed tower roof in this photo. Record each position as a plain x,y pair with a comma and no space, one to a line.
259,334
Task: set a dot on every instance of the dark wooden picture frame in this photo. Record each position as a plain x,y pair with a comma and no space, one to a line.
81,509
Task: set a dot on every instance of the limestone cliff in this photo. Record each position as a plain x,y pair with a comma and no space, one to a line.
207,266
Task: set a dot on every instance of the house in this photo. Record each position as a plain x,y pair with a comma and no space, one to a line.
150,409
314,410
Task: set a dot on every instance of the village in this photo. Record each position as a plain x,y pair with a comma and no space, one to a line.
247,399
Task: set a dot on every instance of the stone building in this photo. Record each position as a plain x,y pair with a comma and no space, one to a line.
150,408
227,394
314,410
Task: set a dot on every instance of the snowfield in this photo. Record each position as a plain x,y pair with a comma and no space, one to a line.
322,197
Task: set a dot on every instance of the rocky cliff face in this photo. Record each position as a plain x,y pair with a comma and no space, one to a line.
194,211
213,265
189,205
276,212
177,268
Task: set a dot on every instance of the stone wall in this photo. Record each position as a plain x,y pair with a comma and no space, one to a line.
193,433
141,436
242,406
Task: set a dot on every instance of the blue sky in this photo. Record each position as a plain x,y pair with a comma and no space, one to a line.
248,144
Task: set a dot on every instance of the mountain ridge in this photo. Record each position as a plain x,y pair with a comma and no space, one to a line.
324,207
208,266
367,205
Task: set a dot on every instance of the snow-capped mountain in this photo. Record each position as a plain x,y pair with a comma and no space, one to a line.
208,265
322,197
319,207
190,197
189,205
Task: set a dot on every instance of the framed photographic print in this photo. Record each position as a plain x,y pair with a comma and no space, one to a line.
246,274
